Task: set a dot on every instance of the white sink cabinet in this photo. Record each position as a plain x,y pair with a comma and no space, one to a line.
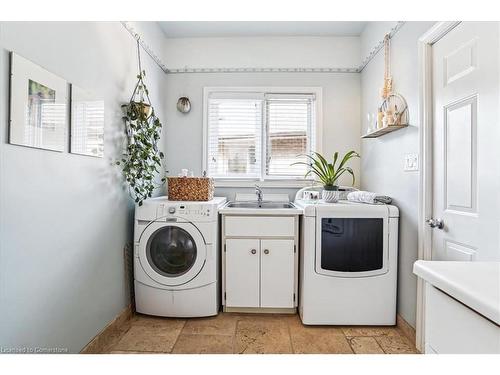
260,262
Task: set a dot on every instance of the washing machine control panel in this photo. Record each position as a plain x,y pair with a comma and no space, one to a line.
191,211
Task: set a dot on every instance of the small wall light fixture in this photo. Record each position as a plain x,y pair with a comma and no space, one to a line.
183,104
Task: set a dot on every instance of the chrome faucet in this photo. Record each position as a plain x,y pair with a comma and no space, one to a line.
258,192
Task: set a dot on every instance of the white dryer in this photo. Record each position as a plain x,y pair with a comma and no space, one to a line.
348,263
176,258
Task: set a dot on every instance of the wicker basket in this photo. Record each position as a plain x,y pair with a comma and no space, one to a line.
190,188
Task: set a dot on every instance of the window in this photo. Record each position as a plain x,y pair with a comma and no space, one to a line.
234,137
258,135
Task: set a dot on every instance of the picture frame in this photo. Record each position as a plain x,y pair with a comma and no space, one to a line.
38,106
87,123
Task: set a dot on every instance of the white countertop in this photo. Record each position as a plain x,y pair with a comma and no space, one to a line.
475,284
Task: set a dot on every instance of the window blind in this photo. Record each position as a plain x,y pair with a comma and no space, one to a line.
234,137
289,135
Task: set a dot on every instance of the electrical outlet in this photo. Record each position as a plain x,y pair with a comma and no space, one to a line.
411,162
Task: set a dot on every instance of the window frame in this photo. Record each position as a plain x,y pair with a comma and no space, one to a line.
264,180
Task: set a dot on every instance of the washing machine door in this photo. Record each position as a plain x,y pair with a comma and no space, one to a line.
172,253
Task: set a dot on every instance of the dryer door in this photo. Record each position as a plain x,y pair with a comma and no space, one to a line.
172,253
352,241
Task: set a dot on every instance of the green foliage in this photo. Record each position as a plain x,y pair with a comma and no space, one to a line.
329,173
142,159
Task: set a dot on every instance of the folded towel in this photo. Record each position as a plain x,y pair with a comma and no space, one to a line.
368,197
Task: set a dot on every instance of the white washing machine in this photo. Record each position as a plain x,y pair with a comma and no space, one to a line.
348,263
176,258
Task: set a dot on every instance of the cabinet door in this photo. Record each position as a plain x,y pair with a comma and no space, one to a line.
277,273
242,272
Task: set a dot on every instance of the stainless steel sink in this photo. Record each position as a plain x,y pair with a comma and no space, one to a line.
261,205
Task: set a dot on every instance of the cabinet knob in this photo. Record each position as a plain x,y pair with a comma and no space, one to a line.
266,251
253,251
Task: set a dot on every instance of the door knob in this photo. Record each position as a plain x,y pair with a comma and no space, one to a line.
435,223
266,251
253,251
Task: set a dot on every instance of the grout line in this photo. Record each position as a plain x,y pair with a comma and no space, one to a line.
177,338
378,343
110,347
350,344
134,351
234,336
350,338
290,335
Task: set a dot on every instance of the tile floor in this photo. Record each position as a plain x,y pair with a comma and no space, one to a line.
253,333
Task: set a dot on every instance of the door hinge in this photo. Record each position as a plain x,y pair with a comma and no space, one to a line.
294,248
293,297
224,296
224,247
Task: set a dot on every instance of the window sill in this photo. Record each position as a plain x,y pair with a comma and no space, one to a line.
266,183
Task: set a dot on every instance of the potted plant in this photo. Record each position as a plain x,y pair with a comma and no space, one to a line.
142,160
329,173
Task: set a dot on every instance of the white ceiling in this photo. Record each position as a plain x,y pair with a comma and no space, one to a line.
194,29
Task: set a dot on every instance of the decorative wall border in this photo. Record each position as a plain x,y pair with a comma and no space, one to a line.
379,46
128,26
263,70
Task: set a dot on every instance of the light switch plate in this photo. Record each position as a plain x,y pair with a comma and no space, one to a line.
411,162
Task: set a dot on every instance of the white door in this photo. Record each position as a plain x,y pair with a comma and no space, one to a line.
466,144
277,273
242,273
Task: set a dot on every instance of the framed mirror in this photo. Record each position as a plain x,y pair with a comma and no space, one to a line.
87,123
38,106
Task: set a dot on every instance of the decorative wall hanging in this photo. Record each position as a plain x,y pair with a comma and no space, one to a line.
393,112
38,106
183,104
387,88
87,123
142,160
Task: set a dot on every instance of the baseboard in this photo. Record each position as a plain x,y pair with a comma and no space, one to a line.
406,328
259,310
109,333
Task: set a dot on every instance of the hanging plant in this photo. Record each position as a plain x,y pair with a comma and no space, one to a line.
142,159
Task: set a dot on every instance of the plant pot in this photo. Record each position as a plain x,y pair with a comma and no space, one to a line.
138,107
146,109
330,194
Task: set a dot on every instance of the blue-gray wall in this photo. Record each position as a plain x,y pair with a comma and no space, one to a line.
382,162
65,218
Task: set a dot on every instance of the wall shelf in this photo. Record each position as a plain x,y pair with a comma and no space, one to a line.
379,132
